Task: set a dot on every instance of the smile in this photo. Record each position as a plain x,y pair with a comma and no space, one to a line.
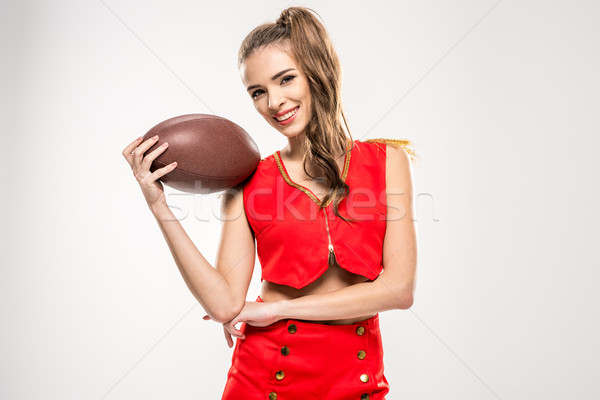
287,117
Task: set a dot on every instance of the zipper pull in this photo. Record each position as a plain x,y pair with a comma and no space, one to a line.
331,259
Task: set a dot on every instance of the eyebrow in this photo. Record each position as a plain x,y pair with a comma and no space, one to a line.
277,75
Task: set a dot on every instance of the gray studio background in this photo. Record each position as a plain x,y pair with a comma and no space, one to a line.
500,97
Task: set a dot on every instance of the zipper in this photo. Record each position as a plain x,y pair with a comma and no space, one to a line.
332,260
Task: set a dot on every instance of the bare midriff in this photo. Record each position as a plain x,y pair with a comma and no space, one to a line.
334,278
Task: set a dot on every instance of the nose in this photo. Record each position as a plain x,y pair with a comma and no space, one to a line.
276,99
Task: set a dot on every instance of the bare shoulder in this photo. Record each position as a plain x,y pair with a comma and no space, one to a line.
232,204
400,150
397,157
231,199
399,182
398,168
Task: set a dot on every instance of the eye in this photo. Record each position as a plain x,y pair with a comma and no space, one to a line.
255,93
285,79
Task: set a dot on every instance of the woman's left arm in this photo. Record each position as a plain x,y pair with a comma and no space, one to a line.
394,288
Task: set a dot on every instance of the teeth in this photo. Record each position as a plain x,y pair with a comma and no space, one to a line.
288,115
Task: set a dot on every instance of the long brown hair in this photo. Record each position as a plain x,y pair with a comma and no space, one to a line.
300,33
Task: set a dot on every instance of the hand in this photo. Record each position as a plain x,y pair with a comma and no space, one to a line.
226,331
254,313
152,188
228,337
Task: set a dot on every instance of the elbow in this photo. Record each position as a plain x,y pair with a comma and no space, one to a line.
405,302
403,297
221,316
225,314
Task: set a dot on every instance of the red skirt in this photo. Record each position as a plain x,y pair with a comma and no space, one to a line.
294,359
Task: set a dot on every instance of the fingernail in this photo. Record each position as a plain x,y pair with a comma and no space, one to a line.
139,138
155,137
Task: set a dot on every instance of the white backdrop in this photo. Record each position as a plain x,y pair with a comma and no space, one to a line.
500,97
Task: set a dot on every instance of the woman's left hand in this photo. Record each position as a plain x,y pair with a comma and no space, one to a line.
254,313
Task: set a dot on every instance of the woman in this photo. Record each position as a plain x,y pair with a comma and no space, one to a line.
333,222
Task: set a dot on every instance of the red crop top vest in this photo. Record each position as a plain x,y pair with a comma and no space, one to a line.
293,235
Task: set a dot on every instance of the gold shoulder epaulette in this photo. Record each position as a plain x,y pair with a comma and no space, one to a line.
405,143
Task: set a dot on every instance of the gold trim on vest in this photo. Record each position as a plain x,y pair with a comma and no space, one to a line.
404,143
307,191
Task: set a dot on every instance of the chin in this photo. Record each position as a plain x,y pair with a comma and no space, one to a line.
288,132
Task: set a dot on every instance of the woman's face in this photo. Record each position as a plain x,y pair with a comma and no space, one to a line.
279,89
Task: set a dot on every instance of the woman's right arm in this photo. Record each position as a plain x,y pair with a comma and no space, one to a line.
221,290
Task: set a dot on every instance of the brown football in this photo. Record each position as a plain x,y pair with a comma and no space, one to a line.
212,153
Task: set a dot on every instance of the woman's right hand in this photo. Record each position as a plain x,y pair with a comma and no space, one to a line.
151,187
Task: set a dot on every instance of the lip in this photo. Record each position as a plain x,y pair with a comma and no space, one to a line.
289,120
283,112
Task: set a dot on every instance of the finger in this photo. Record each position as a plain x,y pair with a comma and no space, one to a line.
129,149
150,157
138,153
233,330
159,173
228,337
148,180
236,333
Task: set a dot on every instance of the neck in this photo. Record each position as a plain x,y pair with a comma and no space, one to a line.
296,148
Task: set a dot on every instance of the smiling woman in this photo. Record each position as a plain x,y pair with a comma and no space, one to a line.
330,260
330,218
